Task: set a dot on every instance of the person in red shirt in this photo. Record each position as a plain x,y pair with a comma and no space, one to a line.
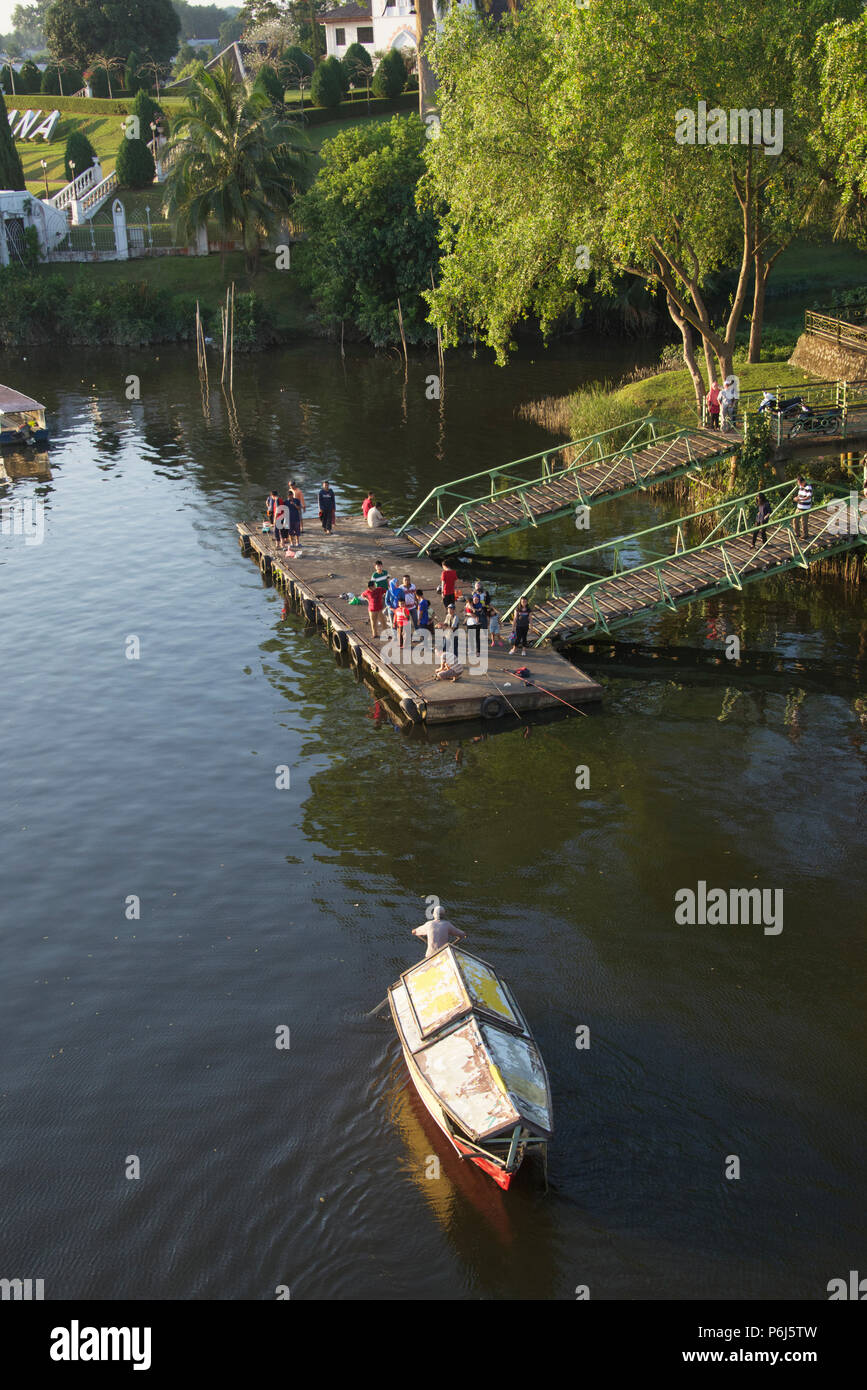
375,609
448,584
369,501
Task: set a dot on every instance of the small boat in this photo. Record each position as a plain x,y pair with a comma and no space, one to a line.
22,420
474,1061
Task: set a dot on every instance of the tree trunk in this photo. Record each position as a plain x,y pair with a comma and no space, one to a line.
762,272
708,361
688,337
425,23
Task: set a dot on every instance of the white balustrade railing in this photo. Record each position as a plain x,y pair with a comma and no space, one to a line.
79,185
92,199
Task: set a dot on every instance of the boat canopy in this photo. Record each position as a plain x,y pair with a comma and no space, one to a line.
14,403
471,1044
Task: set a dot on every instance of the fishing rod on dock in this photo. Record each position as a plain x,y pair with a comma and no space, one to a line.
537,686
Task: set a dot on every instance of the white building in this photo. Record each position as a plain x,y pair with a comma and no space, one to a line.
381,25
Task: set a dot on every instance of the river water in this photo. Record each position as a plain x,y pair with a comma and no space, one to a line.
152,1036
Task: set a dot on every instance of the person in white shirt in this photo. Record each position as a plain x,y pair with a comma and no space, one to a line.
438,933
375,517
281,523
733,386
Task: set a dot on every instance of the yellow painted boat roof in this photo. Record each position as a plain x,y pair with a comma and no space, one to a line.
471,1044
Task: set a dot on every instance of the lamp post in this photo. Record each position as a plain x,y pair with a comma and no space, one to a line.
72,167
148,216
44,163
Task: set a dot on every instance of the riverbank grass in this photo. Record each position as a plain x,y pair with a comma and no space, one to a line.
202,278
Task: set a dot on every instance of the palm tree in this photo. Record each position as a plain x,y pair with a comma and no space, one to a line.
108,65
232,158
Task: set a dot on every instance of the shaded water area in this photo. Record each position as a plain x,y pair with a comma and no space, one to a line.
260,908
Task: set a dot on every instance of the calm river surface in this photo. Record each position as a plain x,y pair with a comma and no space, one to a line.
155,778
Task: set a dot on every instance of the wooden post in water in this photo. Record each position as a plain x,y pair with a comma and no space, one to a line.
232,344
403,340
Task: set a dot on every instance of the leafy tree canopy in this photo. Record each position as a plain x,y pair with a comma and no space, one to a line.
559,160
233,159
78,29
368,243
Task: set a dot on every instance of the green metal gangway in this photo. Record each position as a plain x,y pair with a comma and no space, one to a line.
556,481
678,573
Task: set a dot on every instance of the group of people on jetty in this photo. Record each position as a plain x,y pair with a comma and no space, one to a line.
398,607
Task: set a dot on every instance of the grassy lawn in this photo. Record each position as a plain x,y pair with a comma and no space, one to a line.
671,393
103,132
202,278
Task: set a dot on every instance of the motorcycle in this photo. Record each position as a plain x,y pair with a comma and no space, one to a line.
788,408
824,420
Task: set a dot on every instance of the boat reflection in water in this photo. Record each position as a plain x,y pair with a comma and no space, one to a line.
473,1061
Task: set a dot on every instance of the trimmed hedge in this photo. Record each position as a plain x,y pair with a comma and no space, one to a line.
91,106
350,110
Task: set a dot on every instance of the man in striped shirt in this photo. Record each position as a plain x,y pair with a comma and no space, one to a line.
802,508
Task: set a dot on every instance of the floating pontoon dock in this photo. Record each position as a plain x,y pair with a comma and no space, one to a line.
341,563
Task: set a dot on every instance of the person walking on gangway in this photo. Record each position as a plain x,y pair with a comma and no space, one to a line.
802,509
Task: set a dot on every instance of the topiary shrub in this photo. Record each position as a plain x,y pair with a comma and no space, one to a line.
133,80
78,148
389,79
98,81
51,79
327,85
294,65
357,65
147,110
272,83
135,164
28,79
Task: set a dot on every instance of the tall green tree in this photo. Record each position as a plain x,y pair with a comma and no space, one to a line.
842,137
234,159
11,172
561,156
77,29
368,244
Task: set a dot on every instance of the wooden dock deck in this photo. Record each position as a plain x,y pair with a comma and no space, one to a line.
341,563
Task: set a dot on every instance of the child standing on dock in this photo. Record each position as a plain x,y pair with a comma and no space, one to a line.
281,522
379,576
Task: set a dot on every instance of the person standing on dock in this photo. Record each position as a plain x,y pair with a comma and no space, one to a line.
448,583
379,576
375,608
293,515
451,623
438,932
521,635
295,491
271,506
802,508
281,522
327,507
